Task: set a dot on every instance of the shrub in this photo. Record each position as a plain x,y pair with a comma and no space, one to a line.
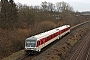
43,26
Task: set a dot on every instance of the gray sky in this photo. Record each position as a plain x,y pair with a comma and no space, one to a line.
80,5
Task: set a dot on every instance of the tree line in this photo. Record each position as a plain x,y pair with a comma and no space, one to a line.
17,15
8,15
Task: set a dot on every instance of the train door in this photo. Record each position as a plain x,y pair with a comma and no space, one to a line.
57,33
38,45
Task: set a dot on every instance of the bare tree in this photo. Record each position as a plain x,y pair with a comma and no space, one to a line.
58,6
44,5
63,6
37,8
66,12
50,6
0,6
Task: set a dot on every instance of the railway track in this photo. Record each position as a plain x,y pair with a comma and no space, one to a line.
24,57
28,57
88,55
81,50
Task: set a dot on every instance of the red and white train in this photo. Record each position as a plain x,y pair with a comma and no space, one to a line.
37,42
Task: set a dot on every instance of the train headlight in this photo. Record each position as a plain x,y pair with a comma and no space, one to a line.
25,47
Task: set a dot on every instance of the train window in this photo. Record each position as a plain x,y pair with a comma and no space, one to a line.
50,36
42,41
57,33
54,35
67,28
38,42
47,38
30,43
62,31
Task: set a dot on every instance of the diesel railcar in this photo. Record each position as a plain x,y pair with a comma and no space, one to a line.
36,43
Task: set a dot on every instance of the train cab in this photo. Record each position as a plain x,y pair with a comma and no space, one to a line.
30,45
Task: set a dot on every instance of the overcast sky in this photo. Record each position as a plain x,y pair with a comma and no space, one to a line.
80,5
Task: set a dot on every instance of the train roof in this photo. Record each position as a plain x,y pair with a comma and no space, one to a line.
47,33
63,27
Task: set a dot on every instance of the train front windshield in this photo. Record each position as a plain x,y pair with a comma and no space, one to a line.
30,43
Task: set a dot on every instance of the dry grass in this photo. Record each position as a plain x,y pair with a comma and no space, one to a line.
52,57
72,42
13,40
15,56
